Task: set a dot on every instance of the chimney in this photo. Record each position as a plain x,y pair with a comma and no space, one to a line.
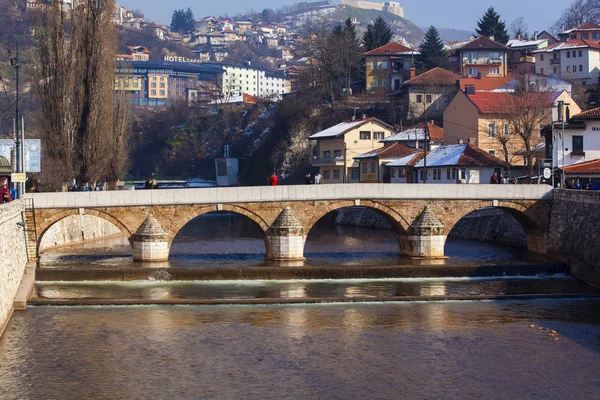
492,38
535,35
353,117
364,116
518,36
471,140
460,140
413,73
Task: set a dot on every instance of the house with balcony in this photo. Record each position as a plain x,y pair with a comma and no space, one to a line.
576,60
482,57
480,118
337,146
521,56
387,67
372,165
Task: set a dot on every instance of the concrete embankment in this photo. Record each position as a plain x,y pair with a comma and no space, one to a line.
13,253
574,234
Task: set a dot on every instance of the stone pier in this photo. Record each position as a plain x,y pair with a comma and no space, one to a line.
150,241
285,238
425,237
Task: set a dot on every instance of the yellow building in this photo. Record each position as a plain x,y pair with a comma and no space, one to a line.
338,145
372,165
158,86
387,67
128,82
484,118
483,57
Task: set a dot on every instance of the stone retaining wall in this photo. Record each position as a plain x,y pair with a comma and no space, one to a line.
75,229
575,232
13,257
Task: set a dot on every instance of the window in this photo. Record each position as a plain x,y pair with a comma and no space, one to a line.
583,36
492,130
326,174
463,173
384,82
354,174
393,172
581,52
419,98
428,98
136,83
541,57
365,135
568,68
117,83
336,174
162,78
495,71
568,54
337,153
383,65
126,83
492,152
453,173
574,54
153,92
401,172
378,135
542,71
365,167
162,92
577,144
494,55
555,70
373,167
580,68
327,154
448,174
421,174
506,130
162,85
375,83
473,71
434,175
153,84
595,36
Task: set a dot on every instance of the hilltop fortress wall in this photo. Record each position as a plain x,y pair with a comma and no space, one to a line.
391,6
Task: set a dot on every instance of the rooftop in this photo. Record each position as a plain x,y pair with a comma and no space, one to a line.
435,76
391,49
343,127
491,102
460,155
392,151
594,113
406,161
485,83
483,43
586,167
417,132
570,44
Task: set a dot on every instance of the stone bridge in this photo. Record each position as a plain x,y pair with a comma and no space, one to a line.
422,215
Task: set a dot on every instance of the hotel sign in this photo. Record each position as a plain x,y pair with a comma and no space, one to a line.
182,59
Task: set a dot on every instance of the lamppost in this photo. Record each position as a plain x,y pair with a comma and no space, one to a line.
14,62
425,146
561,119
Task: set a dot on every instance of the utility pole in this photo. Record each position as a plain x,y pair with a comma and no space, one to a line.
14,62
425,146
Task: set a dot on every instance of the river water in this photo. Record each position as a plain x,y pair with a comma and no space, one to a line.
462,349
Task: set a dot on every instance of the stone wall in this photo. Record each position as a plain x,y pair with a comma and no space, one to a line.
13,257
77,228
575,232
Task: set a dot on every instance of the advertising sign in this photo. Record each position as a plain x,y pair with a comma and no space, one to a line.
33,153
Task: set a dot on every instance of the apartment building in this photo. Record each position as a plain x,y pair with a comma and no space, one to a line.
576,60
483,57
388,66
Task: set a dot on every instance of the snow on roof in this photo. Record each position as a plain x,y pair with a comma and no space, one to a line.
571,44
415,133
515,43
444,155
340,129
403,161
455,45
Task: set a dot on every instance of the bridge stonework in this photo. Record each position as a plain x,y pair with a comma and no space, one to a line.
401,205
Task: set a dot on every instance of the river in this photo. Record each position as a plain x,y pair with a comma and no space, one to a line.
413,347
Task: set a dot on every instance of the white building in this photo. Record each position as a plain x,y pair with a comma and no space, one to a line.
254,81
458,163
577,60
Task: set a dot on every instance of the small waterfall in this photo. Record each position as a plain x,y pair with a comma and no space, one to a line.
160,275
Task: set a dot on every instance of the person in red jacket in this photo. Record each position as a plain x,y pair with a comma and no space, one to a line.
273,180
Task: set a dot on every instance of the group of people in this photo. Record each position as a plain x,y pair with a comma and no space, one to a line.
85,188
506,179
150,184
317,181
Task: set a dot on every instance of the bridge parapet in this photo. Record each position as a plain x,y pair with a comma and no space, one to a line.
291,193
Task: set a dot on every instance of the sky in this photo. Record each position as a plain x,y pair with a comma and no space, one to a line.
459,14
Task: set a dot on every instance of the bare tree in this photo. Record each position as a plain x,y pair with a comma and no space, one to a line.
518,28
75,75
577,13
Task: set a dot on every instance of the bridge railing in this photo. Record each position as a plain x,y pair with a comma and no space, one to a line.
253,194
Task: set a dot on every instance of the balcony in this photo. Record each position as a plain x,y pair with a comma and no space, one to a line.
482,61
328,161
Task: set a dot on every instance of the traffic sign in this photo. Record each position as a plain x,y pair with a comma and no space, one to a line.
547,173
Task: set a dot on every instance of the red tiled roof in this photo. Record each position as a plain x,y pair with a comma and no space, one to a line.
436,133
586,26
395,150
435,76
483,43
388,49
491,102
586,167
485,83
589,114
570,44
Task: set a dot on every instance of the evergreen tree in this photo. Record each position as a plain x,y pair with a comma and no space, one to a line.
377,34
182,21
432,50
490,25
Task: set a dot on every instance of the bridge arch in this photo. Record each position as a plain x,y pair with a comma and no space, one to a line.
196,212
53,219
532,220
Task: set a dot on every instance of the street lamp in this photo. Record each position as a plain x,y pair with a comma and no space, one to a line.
561,119
19,141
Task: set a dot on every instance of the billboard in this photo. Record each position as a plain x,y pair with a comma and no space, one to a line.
33,153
